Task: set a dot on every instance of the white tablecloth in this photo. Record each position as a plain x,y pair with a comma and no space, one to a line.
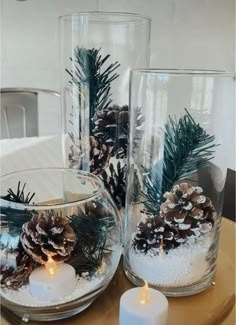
27,153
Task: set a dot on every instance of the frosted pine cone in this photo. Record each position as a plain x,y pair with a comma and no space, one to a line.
48,234
99,155
15,278
112,127
186,214
154,233
188,210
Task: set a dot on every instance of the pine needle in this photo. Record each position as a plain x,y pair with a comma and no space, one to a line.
87,72
92,234
187,148
12,217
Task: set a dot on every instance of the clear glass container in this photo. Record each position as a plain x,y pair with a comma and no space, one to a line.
181,144
60,242
98,50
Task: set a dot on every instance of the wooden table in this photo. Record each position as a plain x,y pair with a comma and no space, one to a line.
215,306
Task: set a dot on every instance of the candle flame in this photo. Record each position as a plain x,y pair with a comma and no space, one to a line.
144,294
51,266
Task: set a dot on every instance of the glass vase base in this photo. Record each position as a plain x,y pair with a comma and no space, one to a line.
184,291
53,315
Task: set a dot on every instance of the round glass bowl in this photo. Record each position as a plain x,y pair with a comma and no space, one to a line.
60,242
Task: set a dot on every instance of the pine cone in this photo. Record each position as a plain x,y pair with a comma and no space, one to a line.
186,214
154,233
99,156
189,211
48,234
115,183
16,278
112,127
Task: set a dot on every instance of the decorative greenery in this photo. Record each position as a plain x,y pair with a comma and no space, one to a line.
13,217
91,227
87,73
92,234
187,147
19,196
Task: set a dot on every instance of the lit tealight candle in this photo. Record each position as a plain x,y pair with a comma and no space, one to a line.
52,281
143,306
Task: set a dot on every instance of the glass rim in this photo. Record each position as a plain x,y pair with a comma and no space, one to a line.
197,72
44,206
68,17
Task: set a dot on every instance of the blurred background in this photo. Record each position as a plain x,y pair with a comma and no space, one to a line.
185,34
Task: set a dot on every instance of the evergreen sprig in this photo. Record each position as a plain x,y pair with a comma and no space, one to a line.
19,196
187,147
87,73
92,234
11,216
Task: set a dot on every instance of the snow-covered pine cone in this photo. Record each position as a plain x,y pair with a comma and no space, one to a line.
115,182
188,210
15,278
154,233
186,214
99,155
48,234
112,127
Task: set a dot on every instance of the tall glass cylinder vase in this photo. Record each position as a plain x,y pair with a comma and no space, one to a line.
181,144
98,50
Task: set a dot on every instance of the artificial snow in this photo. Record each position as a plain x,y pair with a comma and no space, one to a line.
182,266
23,297
85,284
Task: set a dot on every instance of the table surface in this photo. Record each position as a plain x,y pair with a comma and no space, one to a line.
215,306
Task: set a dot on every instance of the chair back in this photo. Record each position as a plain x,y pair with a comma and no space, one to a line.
19,111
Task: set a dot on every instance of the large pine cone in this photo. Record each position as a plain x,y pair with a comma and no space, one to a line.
99,155
112,127
115,183
48,234
189,211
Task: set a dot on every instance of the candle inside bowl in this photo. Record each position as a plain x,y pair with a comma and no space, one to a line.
143,306
52,281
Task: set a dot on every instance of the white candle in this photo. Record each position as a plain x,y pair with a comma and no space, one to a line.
52,282
143,306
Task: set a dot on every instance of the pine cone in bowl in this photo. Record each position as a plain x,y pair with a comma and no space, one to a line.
15,278
48,234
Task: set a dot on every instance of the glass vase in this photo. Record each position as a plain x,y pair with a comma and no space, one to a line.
98,50
180,125
60,242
